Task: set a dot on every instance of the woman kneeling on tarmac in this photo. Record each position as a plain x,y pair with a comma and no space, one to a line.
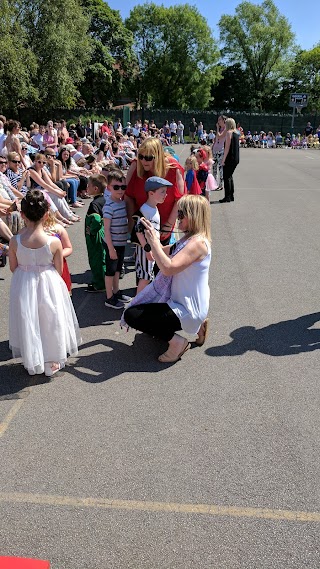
178,298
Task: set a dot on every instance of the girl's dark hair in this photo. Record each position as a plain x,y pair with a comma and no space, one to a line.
68,161
90,159
34,205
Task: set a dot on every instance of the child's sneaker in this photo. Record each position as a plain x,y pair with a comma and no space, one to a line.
113,302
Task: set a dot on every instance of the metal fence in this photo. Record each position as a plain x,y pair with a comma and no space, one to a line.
276,122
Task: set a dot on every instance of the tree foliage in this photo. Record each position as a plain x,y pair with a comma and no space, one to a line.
111,56
57,33
306,75
18,62
176,56
260,39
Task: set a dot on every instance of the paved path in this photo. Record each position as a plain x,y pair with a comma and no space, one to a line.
210,463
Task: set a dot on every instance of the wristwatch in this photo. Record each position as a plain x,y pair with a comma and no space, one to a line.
147,248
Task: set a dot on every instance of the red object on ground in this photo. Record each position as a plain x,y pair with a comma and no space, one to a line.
23,563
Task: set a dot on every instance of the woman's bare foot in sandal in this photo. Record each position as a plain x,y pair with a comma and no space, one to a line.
177,347
203,332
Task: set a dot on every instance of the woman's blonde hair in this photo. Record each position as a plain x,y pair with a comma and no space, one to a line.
40,156
153,147
230,124
197,210
12,156
192,159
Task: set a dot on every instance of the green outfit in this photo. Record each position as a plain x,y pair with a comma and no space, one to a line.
94,230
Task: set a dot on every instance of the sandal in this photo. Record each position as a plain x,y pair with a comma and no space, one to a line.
50,368
168,358
203,332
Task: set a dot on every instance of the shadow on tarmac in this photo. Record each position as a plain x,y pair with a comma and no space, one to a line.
119,358
281,339
110,359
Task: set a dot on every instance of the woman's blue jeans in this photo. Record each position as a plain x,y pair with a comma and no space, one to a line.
73,189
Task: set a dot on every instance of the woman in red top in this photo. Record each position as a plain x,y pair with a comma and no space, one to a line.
152,161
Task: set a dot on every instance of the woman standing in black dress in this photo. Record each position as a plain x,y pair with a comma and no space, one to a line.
230,160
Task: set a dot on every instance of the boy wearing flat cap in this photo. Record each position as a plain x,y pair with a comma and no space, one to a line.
156,189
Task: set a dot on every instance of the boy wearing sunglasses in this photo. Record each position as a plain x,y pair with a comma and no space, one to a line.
115,221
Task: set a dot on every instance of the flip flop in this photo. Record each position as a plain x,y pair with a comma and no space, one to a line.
167,359
203,332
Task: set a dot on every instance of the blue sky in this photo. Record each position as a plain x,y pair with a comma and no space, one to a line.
304,17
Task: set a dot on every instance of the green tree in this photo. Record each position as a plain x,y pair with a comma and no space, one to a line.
57,33
111,59
18,63
306,75
176,56
261,40
233,91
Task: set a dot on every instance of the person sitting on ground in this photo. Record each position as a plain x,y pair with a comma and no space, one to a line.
178,298
71,177
50,137
39,178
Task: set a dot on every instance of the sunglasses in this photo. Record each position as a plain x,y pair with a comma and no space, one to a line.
146,158
180,215
50,155
23,148
15,161
117,187
41,162
2,163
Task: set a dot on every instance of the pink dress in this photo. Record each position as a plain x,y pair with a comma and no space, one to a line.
49,139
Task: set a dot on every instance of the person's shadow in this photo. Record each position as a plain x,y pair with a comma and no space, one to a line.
281,339
115,358
110,359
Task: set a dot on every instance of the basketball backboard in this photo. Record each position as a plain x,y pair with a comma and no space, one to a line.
298,100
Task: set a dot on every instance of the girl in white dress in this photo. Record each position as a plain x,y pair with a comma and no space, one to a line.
43,327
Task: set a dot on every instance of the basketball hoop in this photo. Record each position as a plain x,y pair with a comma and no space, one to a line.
299,109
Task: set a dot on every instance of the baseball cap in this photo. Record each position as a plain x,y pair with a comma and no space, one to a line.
155,182
71,148
69,140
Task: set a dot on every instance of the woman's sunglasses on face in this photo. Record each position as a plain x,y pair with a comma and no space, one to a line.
41,161
180,215
146,158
